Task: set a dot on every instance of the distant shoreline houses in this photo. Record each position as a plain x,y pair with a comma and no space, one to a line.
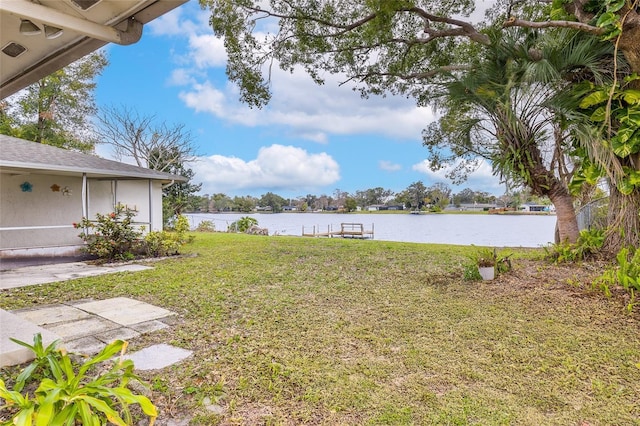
527,208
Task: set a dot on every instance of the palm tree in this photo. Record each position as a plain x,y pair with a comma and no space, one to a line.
504,111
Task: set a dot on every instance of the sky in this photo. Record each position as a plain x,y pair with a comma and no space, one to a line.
309,139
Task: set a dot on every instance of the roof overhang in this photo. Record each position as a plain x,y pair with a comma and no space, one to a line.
86,26
24,170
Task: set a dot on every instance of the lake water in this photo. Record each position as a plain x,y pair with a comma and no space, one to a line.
461,229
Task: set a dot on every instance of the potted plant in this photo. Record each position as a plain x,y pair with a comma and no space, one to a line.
486,261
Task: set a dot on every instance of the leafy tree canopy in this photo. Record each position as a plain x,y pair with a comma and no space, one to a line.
57,110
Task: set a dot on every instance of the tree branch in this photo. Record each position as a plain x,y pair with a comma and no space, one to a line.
412,76
515,22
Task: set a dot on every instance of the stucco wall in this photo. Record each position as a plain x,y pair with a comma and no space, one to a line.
55,211
43,206
104,195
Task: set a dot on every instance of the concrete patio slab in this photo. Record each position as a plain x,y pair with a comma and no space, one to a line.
121,333
52,314
82,328
149,326
124,311
41,274
13,326
157,356
84,346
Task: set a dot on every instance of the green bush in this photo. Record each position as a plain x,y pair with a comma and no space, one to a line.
588,245
111,236
626,274
70,393
242,224
161,243
206,226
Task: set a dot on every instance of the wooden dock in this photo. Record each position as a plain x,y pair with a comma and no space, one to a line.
347,230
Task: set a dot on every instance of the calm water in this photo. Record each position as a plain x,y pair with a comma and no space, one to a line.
485,230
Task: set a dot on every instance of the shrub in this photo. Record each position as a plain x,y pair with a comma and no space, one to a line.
69,393
588,245
111,236
242,224
206,226
625,274
161,243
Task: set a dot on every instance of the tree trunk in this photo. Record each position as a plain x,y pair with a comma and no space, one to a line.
567,223
623,221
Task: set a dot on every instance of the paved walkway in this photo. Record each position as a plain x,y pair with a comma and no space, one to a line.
49,273
84,326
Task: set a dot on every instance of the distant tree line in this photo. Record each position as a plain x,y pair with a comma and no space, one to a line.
416,196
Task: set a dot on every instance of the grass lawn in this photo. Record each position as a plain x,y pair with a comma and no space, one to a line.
290,330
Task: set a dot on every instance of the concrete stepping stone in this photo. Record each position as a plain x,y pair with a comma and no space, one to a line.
124,311
13,326
82,328
52,314
157,356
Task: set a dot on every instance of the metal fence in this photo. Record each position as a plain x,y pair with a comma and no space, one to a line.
593,214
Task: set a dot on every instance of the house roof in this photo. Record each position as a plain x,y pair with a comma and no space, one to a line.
64,31
21,156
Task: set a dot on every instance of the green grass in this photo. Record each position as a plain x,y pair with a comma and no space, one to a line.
290,330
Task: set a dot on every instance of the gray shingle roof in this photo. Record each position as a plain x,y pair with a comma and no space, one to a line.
25,155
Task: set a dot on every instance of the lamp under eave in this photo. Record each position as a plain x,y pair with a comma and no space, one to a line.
29,28
52,32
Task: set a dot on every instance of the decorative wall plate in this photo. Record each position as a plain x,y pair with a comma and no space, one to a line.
26,187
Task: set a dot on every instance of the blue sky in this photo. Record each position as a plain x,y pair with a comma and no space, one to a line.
309,140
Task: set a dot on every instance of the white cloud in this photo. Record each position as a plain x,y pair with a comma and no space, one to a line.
312,112
482,179
276,167
181,77
176,23
389,166
206,50
305,109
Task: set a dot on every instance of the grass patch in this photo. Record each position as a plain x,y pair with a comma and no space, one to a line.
290,330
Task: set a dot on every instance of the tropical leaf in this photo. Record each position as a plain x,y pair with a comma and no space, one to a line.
631,96
594,98
599,115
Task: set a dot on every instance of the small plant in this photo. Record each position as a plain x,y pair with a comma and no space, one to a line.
181,227
242,224
43,357
471,273
111,236
206,226
72,394
588,245
625,274
161,243
484,257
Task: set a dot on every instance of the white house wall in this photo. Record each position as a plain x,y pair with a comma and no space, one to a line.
51,212
134,194
51,207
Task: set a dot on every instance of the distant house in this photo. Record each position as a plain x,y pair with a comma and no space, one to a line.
476,206
532,207
44,190
377,207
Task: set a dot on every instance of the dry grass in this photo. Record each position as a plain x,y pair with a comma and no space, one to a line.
295,331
